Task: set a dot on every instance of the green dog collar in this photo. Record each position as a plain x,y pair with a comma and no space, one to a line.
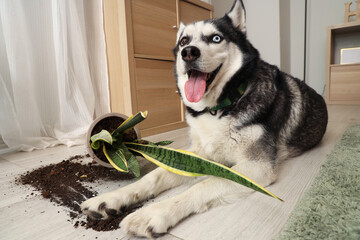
227,101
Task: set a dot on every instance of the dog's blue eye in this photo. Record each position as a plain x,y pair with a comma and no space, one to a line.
216,39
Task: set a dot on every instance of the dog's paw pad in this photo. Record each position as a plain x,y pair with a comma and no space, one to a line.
104,205
111,212
153,234
151,222
95,215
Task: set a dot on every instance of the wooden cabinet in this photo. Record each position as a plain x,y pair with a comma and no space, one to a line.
342,80
189,12
154,27
156,92
140,36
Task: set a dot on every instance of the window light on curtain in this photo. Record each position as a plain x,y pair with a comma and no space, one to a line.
53,71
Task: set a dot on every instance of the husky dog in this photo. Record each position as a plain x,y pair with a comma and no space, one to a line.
242,112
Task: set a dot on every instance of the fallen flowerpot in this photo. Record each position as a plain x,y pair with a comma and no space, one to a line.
109,122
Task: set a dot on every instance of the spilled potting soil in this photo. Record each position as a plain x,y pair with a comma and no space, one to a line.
62,184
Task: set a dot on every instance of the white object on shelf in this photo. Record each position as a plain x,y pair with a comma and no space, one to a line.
350,55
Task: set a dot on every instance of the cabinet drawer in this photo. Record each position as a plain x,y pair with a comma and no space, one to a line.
156,92
345,82
190,12
153,27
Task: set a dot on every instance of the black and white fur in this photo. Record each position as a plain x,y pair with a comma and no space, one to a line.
277,117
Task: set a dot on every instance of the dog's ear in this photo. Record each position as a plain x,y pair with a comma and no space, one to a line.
237,15
181,29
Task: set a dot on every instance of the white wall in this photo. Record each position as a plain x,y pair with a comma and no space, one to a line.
321,14
297,38
292,39
285,35
221,7
262,22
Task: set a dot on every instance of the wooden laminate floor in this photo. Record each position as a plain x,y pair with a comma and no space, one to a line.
25,216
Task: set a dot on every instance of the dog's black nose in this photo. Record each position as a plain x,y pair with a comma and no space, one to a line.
190,53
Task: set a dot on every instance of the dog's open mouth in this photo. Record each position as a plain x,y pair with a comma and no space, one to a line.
197,84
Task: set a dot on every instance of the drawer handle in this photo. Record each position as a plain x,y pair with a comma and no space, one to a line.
176,91
174,27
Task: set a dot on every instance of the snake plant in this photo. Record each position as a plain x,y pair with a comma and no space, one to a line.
121,156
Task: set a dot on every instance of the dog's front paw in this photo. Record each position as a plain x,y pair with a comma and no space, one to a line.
151,221
107,204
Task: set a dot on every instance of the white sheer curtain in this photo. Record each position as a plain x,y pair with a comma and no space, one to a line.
53,71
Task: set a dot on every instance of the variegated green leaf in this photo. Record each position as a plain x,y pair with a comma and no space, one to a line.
133,164
104,136
130,123
163,143
189,164
116,158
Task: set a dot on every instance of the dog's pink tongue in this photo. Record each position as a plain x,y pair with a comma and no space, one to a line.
195,86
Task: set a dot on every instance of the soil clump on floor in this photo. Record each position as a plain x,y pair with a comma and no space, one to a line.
62,184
